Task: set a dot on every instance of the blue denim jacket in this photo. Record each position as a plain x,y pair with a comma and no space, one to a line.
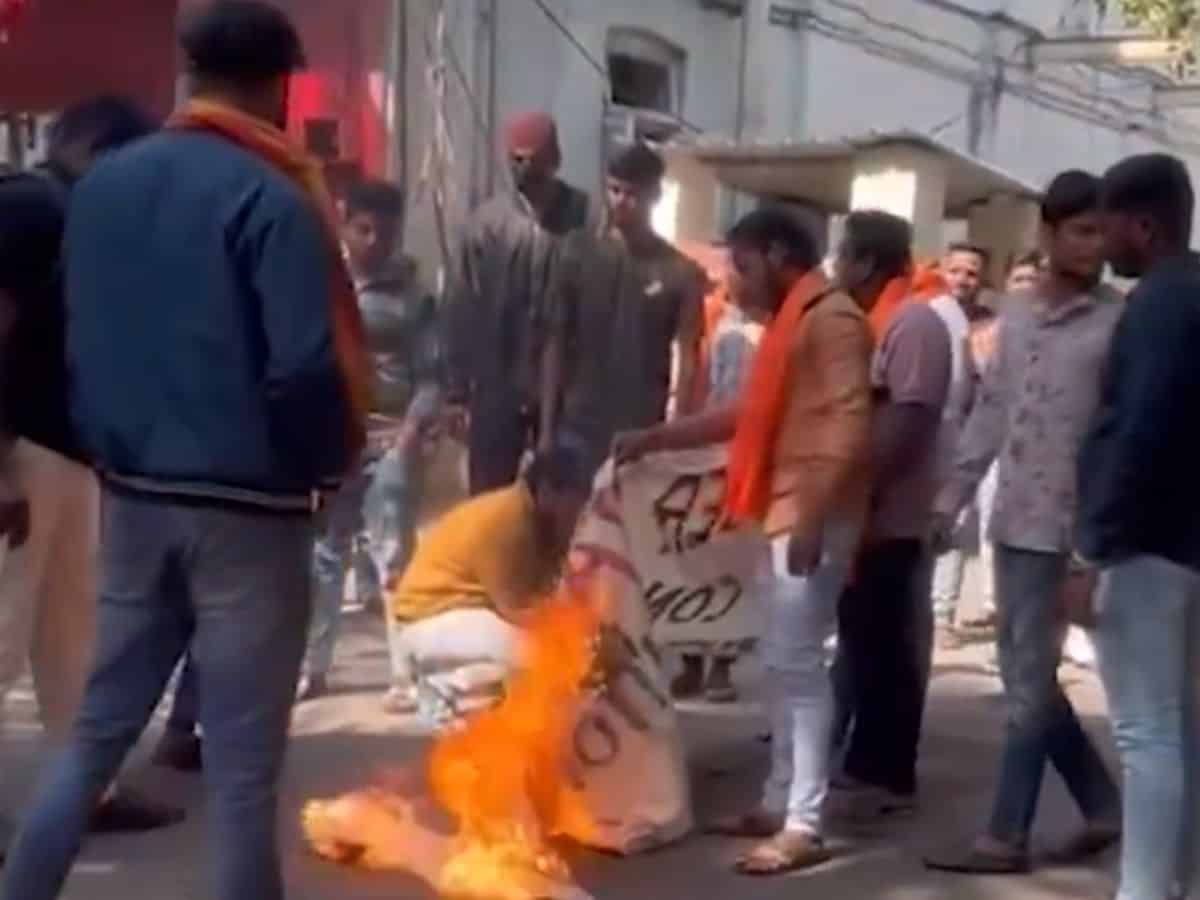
200,341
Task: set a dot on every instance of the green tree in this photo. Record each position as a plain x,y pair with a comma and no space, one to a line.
1176,19
1169,18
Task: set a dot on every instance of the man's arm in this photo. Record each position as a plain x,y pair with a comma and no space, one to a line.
1149,377
560,323
982,435
462,304
913,371
307,398
689,335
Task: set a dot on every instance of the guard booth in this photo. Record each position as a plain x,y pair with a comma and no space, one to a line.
946,193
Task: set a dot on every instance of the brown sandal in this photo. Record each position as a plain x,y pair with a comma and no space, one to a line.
787,851
755,824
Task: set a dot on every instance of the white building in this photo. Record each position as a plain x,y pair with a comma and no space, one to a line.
939,109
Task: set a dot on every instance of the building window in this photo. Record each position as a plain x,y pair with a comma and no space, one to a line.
646,71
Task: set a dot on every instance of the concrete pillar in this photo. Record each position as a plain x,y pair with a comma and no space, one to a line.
695,196
1004,225
770,104
906,181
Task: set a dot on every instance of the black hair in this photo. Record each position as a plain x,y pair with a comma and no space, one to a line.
373,197
1155,185
560,468
983,253
638,165
101,124
242,42
1026,258
1070,194
772,227
882,237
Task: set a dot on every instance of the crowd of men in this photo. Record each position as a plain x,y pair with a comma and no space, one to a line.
220,385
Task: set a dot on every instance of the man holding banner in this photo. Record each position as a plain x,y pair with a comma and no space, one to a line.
797,474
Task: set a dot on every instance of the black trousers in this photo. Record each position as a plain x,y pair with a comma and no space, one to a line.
498,437
885,638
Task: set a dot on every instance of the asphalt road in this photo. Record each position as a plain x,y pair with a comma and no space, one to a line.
344,741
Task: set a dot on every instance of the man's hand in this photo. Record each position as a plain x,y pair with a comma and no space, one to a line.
630,446
457,422
1078,597
804,554
942,532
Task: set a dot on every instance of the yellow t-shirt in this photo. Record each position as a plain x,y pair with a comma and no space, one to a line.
482,553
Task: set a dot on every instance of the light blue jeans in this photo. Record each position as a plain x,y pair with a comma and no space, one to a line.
1148,641
802,617
380,506
231,588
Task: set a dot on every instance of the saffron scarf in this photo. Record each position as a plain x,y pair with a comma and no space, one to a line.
764,404
273,147
891,298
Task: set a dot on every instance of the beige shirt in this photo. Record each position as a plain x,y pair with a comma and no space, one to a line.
821,456
1038,397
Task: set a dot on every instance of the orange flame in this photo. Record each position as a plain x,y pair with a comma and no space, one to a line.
506,776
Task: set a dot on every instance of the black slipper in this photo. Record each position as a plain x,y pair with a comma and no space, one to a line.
125,811
970,860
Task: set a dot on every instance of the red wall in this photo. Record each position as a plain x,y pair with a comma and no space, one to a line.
67,50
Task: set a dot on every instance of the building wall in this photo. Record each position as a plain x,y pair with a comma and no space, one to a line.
815,69
67,50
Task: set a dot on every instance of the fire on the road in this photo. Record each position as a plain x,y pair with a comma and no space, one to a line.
505,779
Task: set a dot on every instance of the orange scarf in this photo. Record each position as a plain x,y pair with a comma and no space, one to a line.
764,404
893,296
277,150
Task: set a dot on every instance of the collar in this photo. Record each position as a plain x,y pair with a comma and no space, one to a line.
1078,305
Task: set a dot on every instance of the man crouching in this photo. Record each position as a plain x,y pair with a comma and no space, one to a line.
474,579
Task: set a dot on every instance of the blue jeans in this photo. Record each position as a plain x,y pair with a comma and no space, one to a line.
231,588
1042,726
380,505
1148,638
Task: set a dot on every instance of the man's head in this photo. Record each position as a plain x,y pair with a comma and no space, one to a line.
876,247
374,213
769,250
1024,272
243,52
534,155
634,187
560,484
1072,230
1148,203
964,269
91,128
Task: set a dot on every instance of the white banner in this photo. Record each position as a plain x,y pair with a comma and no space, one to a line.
657,523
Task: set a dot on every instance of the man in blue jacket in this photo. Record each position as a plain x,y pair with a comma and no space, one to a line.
206,386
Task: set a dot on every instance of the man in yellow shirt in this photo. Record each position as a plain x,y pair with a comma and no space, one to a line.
474,577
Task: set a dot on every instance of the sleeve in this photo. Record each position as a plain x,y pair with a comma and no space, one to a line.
840,360
1146,388
428,365
562,302
307,402
914,360
983,434
462,304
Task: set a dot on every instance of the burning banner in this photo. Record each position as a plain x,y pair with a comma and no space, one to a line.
583,745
